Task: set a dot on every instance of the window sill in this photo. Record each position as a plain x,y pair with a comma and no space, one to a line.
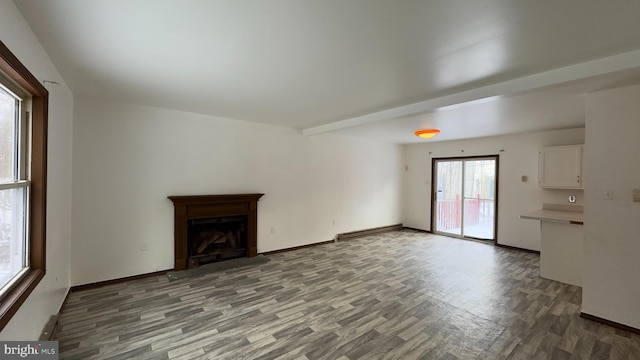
11,301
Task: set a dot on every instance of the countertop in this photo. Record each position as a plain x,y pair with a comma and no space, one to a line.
570,214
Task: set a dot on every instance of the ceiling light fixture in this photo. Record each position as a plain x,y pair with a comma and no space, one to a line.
427,133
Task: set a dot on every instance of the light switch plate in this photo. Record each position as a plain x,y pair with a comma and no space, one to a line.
636,195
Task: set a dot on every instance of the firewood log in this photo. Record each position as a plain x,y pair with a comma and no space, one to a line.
231,241
210,237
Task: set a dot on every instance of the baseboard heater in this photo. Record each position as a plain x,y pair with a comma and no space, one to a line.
367,232
50,328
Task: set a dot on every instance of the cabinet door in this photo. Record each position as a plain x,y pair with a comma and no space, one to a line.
561,167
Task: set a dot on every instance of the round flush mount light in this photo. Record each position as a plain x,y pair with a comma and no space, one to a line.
427,133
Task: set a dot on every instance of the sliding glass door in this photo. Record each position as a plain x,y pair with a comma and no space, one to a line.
465,197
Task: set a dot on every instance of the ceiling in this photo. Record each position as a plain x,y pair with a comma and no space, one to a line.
375,68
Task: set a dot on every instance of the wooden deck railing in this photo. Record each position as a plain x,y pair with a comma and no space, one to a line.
477,211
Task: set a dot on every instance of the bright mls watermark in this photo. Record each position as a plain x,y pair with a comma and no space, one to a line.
29,350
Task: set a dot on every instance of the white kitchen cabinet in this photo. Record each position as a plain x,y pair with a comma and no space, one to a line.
560,167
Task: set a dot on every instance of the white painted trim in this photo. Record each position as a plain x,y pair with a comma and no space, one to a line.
14,185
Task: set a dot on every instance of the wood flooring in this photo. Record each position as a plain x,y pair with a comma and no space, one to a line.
398,295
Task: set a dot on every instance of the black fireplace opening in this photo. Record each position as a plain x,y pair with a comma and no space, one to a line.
216,239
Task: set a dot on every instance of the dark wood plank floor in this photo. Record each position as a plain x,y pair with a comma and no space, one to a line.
398,295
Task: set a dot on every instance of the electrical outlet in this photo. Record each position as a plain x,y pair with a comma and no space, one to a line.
572,199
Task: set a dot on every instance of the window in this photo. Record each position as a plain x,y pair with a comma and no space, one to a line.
23,154
14,186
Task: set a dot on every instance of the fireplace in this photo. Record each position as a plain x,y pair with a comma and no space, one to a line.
210,228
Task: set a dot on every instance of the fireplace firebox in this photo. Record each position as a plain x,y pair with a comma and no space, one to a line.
216,239
210,228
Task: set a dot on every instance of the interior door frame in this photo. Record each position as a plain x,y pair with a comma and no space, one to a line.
496,157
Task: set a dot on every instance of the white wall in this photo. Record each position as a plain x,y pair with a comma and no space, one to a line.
611,288
520,157
47,298
129,158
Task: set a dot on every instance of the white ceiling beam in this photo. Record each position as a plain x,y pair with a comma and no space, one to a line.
624,61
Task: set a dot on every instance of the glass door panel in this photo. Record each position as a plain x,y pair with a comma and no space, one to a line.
448,197
479,198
